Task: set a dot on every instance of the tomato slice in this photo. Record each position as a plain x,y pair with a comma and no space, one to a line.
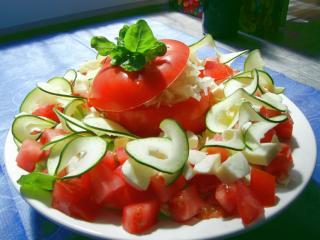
73,198
139,217
29,154
144,121
47,111
114,89
263,184
185,205
226,197
248,206
218,71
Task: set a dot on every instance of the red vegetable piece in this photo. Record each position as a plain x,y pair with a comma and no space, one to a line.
47,111
226,197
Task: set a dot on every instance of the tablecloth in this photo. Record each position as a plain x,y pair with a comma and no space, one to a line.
25,62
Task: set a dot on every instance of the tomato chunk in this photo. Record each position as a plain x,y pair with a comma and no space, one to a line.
74,199
284,129
48,134
121,155
248,206
263,185
226,197
47,111
216,70
30,153
139,217
185,204
205,183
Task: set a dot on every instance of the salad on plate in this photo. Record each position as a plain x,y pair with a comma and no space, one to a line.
148,129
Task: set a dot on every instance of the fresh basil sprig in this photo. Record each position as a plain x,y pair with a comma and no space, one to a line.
136,46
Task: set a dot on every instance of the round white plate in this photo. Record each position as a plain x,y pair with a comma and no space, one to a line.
304,145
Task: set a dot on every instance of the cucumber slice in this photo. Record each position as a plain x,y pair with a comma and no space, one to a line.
107,127
71,123
275,100
248,114
71,76
58,139
137,174
166,155
266,83
56,148
247,74
30,127
254,61
250,85
256,132
232,139
206,40
36,98
58,87
76,109
225,114
230,57
81,154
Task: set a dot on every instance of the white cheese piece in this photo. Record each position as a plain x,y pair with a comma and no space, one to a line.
196,156
136,174
188,172
208,165
235,167
262,155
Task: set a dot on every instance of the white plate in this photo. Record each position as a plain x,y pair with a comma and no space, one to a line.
305,145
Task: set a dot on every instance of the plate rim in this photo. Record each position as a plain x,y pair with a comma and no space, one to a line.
72,223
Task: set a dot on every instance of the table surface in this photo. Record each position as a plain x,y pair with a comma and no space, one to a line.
24,63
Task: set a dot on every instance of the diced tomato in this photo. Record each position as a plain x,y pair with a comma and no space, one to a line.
268,136
110,160
248,206
226,197
282,162
74,199
48,134
185,204
122,155
105,183
216,70
205,183
208,211
164,192
269,112
284,129
139,217
263,185
47,111
29,154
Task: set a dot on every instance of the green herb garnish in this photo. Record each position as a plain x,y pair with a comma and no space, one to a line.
136,46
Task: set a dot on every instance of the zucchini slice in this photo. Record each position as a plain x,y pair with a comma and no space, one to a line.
254,61
230,57
29,126
167,155
81,154
206,40
266,83
71,123
71,76
76,109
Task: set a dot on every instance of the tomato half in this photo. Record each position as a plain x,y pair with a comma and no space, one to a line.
116,90
144,121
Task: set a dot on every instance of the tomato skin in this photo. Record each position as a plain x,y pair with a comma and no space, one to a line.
185,204
205,183
29,154
73,198
144,121
48,134
263,185
47,111
116,90
139,217
248,206
282,162
163,191
226,197
216,70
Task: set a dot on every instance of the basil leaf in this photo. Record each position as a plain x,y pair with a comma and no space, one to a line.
102,45
122,33
158,49
135,62
38,180
119,55
31,191
139,37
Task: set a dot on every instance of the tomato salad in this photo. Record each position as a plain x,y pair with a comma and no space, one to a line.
150,129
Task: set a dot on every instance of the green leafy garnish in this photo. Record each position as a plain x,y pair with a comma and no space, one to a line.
136,46
37,185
